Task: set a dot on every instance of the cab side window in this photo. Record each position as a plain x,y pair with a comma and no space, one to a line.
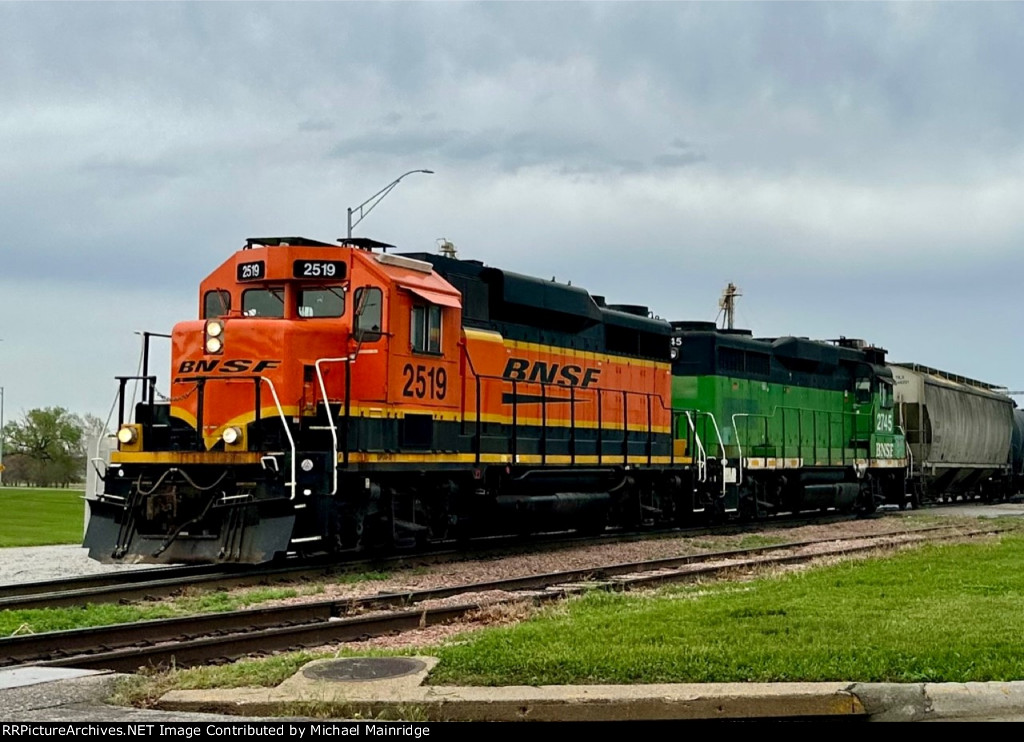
425,328
369,310
885,394
863,390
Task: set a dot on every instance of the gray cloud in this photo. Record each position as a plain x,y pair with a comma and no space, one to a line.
681,159
316,125
507,151
649,151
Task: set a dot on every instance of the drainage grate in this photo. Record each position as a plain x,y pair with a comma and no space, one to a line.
364,668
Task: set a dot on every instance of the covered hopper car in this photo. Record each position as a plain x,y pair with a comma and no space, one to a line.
959,433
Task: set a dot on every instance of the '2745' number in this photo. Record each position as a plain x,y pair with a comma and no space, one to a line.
421,382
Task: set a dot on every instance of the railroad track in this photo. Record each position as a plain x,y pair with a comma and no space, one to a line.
200,639
159,582
155,583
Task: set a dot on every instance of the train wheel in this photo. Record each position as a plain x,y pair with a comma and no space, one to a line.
748,504
866,502
435,514
629,509
593,524
432,522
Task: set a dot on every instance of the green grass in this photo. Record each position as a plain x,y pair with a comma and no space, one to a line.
40,517
267,671
144,690
36,620
938,614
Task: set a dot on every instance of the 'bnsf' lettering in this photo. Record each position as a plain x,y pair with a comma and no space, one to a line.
199,367
231,366
520,369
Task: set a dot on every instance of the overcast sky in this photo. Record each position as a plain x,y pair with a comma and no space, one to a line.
856,169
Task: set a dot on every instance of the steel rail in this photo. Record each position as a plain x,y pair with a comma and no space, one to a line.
165,581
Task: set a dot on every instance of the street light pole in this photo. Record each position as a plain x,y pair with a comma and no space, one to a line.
367,206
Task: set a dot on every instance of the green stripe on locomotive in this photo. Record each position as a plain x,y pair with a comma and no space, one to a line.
788,398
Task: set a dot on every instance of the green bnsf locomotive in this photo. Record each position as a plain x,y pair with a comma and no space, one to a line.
786,424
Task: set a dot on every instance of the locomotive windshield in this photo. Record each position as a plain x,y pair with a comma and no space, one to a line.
326,302
263,303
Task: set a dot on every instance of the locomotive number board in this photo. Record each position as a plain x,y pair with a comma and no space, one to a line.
253,271
318,269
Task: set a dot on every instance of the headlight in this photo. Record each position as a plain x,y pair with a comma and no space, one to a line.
213,345
127,435
231,435
214,329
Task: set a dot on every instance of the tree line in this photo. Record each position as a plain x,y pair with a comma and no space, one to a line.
47,447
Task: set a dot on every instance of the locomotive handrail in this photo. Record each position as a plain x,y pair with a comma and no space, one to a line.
573,389
739,444
120,393
624,394
284,421
721,446
843,414
145,359
718,434
907,450
702,456
201,382
101,476
330,417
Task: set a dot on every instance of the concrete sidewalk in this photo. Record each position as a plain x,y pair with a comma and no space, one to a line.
393,688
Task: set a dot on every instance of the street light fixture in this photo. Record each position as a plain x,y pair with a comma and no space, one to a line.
367,206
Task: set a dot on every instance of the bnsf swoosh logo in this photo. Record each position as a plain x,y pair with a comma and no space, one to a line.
521,369
230,366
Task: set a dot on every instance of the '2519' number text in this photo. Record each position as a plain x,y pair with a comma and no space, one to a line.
422,382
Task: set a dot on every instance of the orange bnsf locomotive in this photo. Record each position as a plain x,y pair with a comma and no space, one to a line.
340,398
